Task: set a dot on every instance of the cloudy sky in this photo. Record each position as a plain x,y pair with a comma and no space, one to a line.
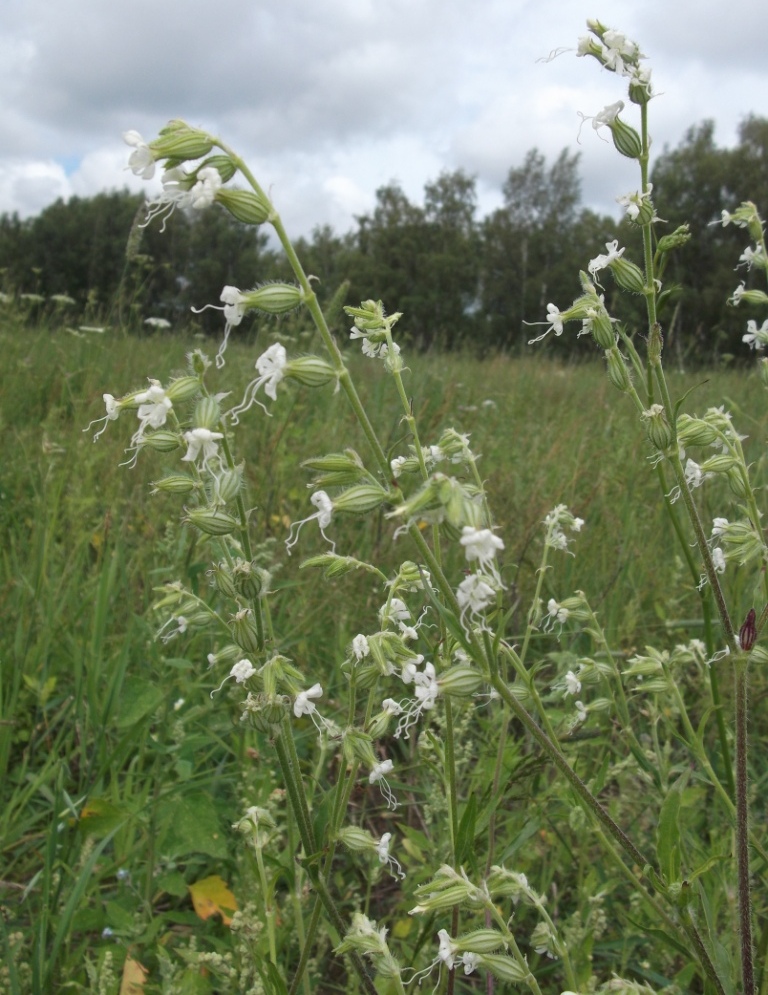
329,99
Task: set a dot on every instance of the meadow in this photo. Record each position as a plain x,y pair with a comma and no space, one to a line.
120,776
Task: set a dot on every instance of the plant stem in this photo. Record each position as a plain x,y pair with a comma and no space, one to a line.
742,828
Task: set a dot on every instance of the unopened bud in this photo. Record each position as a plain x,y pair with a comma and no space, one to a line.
183,389
460,681
176,483
179,141
748,631
618,373
628,275
679,237
601,328
247,579
359,499
244,631
222,578
695,431
223,164
274,298
212,521
161,441
625,139
310,371
244,205
228,484
207,413
657,427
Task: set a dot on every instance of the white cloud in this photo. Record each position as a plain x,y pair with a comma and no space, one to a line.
330,100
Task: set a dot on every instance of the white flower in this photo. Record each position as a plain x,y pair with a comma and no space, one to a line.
718,560
203,193
271,367
475,594
382,849
572,684
377,776
154,406
113,410
481,545
634,201
141,162
602,261
160,323
396,465
719,526
242,670
302,704
323,515
201,439
756,338
619,50
751,256
447,950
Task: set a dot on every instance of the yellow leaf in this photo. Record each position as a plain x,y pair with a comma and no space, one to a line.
134,976
211,896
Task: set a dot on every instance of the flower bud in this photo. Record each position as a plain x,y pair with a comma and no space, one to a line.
625,139
657,427
207,413
179,141
175,483
212,521
480,941
274,298
227,485
618,373
748,632
355,838
247,579
359,746
502,967
183,389
736,482
655,344
311,371
222,578
628,275
244,631
675,240
198,362
695,431
721,463
161,441
359,499
460,681
223,164
245,205
602,331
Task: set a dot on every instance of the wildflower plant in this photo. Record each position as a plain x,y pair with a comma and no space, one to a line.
445,647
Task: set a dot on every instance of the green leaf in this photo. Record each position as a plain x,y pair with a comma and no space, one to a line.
466,835
668,830
191,826
137,700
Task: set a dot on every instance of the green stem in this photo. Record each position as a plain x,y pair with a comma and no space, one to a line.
742,828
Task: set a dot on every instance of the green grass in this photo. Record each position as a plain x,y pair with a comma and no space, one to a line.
114,797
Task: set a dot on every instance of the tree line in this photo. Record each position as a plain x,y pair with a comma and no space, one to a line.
460,280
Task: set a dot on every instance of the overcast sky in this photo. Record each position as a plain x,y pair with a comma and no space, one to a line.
330,99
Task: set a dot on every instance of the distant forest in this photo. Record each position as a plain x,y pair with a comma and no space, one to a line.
460,280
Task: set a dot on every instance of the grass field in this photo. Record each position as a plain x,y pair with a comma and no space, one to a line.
120,777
